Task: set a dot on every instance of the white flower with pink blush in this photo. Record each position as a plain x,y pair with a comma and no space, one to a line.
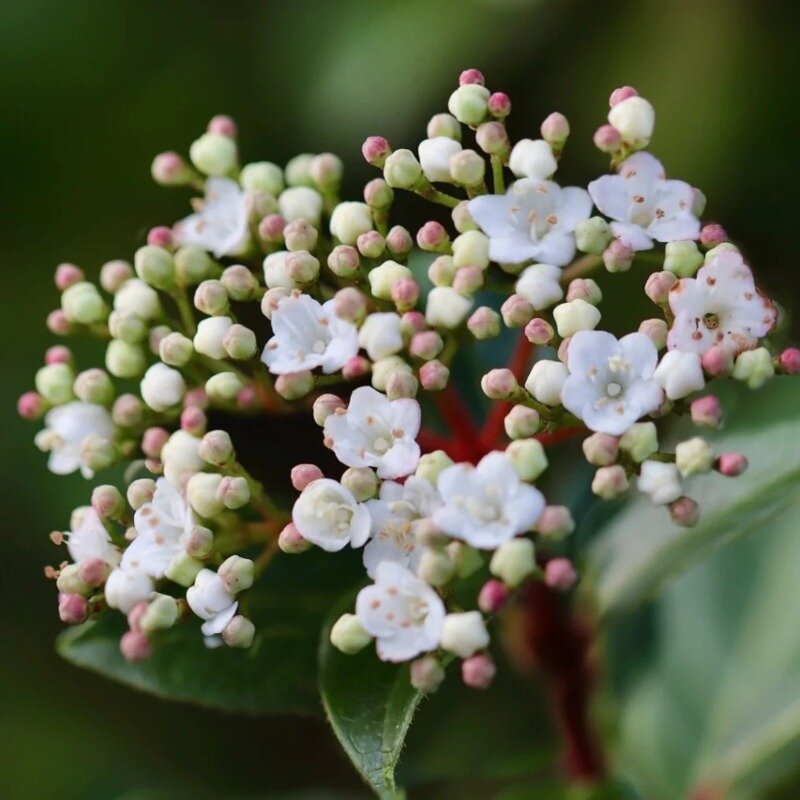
69,426
644,205
721,306
211,601
90,540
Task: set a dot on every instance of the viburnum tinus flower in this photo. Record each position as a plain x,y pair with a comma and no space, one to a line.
211,600
68,427
327,515
644,204
90,540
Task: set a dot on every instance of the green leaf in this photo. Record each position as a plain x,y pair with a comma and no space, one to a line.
369,705
278,674
640,550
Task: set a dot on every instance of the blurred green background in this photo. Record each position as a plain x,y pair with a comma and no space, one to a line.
93,89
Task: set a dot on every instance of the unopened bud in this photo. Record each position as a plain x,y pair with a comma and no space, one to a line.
754,367
499,384
169,169
294,385
514,561
640,441
467,168
201,491
236,573
426,345
66,275
200,542
325,405
555,522
140,491
555,130
610,482
154,265
223,387
135,646
484,323
405,293
658,286
593,235
216,448
478,671
350,303
162,612
239,632
731,465
376,150
303,474
712,235
401,170
433,375
441,271
539,331
431,465
706,411
399,241
214,154
427,674
291,541
492,596
684,512
618,256
682,258
607,139
469,103
234,492
656,331
560,574
239,283
789,361
517,311
72,608
108,502
211,298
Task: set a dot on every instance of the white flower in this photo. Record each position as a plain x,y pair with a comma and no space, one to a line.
69,426
393,515
434,157
211,601
464,633
300,202
275,274
446,308
162,525
661,481
634,118
308,335
221,224
327,515
210,333
680,374
126,587
644,204
402,612
136,297
380,335
721,307
349,220
162,387
532,158
486,505
181,457
376,432
534,220
539,285
90,540
611,382
545,381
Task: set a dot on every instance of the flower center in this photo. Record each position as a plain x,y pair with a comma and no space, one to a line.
380,445
613,389
319,346
711,321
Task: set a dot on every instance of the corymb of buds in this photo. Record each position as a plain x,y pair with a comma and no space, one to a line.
277,298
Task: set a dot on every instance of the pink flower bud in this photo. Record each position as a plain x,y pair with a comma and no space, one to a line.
555,130
478,671
607,139
93,571
433,237
433,375
161,236
470,76
560,574
300,234
343,260
58,354
169,169
789,361
706,411
618,256
127,410
108,502
517,311
499,104
58,323
378,193
113,274
223,125
492,137
555,522
584,289
492,596
468,280
712,234
134,646
325,405
31,405
731,465
375,150
426,674
684,512
247,398
303,474
294,385
655,330
623,93
270,229
539,331
426,345
601,449
66,275
412,322
405,293
136,613
716,361
499,384
563,350
484,323
356,367
658,286
399,241
401,384
193,420
350,303
290,540
153,440
371,244
72,608
195,397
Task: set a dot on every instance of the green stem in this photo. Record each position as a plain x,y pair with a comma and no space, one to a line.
185,311
497,176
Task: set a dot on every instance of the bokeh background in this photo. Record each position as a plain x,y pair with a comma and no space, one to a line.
92,89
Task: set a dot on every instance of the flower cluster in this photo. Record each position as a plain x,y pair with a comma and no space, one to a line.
340,305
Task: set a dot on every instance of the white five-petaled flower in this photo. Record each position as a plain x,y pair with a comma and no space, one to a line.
402,612
327,515
69,425
90,540
376,432
221,223
534,220
610,383
211,601
486,505
308,335
644,204
162,525
393,515
721,307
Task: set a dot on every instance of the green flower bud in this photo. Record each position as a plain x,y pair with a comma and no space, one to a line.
467,168
348,635
468,104
593,235
82,304
214,154
193,265
127,326
262,176
162,612
175,349
237,574
202,494
754,367
514,561
382,277
528,458
183,569
98,453
361,482
682,258
70,582
54,383
239,632
140,491
402,170
467,559
694,457
240,342
94,386
640,441
435,567
223,387
125,360
431,465
298,170
154,265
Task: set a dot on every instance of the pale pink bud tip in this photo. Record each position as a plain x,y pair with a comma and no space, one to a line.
433,375
790,361
72,608
717,361
405,293
223,125
493,596
161,236
270,229
167,167
498,384
195,398
684,512
706,411
58,323
193,420
93,571
607,139
470,76
134,646
712,235
66,275
731,464
560,574
30,405
58,354
356,367
291,541
247,398
375,150
623,93
413,322
539,331
555,129
499,104
303,474
136,613
431,236
153,440
478,671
